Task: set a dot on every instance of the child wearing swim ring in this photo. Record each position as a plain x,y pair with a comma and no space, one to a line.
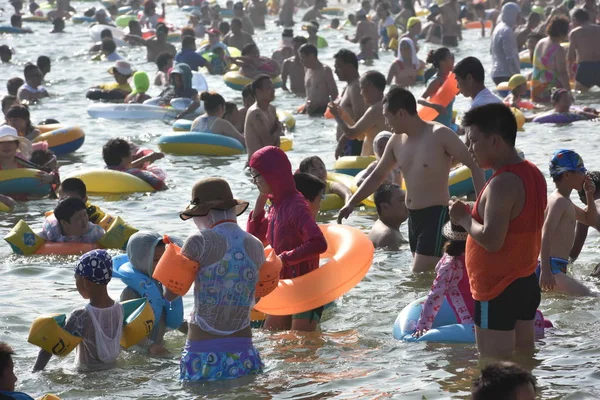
19,118
141,84
315,166
99,323
72,224
219,344
518,90
252,64
287,226
442,61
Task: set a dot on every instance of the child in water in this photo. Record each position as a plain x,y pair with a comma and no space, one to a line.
313,190
118,155
8,378
315,166
72,224
518,90
379,144
252,64
18,117
288,227
99,323
443,63
504,380
141,84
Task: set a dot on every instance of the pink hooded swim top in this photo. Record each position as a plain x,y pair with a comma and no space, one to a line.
288,225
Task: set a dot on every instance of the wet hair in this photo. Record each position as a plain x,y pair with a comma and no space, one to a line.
4,49
108,45
114,151
42,157
43,61
595,176
212,101
257,83
306,163
29,68
247,91
399,98
376,79
224,27
499,381
300,39
309,185
493,119
74,185
187,42
580,15
436,56
230,107
163,59
248,49
470,66
6,353
8,101
236,21
308,49
335,23
15,19
106,33
558,27
347,57
68,207
20,112
383,194
188,31
13,85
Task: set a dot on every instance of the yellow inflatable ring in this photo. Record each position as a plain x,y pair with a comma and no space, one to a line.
236,81
63,140
350,182
22,182
112,182
287,118
286,143
352,165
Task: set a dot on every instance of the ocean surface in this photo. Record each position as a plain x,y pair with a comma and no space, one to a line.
354,354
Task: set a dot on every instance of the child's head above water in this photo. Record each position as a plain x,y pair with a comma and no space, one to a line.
45,159
117,153
19,118
44,64
335,23
164,61
8,101
108,46
93,272
457,239
144,250
13,85
561,100
518,85
503,381
312,188
380,142
8,379
315,166
567,169
33,75
72,187
122,70
72,216
5,53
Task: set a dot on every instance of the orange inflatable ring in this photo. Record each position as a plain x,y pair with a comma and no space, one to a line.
477,24
66,249
350,254
446,93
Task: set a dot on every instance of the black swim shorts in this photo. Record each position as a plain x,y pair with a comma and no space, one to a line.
451,41
425,230
588,73
518,302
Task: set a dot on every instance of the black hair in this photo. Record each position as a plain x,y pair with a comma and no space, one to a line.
335,21
74,185
224,27
436,56
114,151
558,27
163,59
161,27
5,49
15,19
108,45
493,119
105,33
309,185
13,85
248,48
189,32
595,177
66,208
499,381
257,83
470,66
308,49
20,112
43,61
376,79
29,68
535,16
580,15
383,194
247,91
188,42
237,21
479,6
229,108
300,39
347,57
6,353
399,98
42,157
306,163
212,101
7,100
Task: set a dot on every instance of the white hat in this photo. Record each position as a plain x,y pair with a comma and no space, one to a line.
9,134
122,67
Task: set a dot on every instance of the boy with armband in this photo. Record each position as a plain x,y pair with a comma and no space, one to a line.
100,322
72,224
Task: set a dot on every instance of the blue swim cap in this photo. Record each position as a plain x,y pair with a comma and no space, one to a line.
564,161
95,266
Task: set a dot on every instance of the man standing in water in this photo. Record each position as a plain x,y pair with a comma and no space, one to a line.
505,231
584,52
450,22
156,45
424,152
262,128
318,81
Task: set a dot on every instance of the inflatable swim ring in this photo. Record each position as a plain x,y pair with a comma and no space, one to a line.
12,29
189,8
553,117
350,182
331,202
35,18
476,24
82,19
22,182
503,89
117,34
524,104
285,117
123,20
349,253
5,208
445,94
137,111
352,165
200,143
108,181
234,80
63,140
525,59
337,11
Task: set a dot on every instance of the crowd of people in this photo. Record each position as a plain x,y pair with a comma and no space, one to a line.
492,258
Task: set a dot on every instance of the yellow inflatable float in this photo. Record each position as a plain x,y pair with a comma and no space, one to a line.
352,165
112,182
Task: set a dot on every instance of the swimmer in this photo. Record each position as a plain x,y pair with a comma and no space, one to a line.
364,27
16,22
108,50
214,41
150,19
312,28
188,54
335,24
58,25
5,54
581,230
286,48
164,62
313,190
583,52
121,71
368,50
372,87
104,34
102,18
405,69
379,144
504,380
517,85
562,101
442,60
247,100
523,31
450,18
236,37
568,173
155,45
8,101
392,212
8,378
293,69
315,166
252,64
314,12
318,81
73,225
262,127
19,118
258,11
238,12
180,80
44,64
100,323
13,85
32,90
212,120
484,14
286,13
141,84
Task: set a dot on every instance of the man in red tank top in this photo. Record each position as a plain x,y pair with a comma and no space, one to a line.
505,229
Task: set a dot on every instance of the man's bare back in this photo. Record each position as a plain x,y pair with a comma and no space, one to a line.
374,115
320,85
450,12
366,29
583,40
237,41
261,129
294,70
352,102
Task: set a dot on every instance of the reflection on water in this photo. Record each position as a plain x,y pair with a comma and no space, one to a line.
354,356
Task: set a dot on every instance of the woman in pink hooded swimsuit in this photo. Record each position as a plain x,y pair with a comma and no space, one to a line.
287,226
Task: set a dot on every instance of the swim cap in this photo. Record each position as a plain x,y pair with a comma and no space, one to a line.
141,82
95,266
412,21
564,161
516,81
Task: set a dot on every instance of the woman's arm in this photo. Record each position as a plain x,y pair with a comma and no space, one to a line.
225,128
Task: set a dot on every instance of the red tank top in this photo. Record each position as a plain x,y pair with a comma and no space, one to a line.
491,273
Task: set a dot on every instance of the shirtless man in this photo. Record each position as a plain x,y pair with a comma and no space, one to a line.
391,209
505,230
257,10
155,45
286,48
238,12
262,128
372,86
584,49
313,12
294,69
364,28
424,152
351,101
318,81
286,14
591,8
236,37
450,22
